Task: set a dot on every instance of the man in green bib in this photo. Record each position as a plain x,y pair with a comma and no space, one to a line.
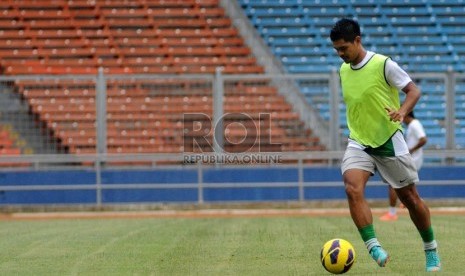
370,84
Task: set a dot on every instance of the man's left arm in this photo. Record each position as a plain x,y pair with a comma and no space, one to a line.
413,95
397,77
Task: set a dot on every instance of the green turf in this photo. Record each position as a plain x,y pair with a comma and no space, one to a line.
214,246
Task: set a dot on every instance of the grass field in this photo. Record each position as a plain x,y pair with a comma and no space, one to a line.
214,246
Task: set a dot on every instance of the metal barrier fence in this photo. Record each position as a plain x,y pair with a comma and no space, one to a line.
54,180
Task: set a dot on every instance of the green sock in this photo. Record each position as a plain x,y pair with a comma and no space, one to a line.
427,235
369,236
367,232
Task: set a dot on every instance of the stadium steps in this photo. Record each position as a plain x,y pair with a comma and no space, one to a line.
30,135
8,141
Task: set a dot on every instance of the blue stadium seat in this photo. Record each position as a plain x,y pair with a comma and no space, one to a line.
296,41
449,10
370,20
407,3
433,50
422,39
456,39
415,30
411,20
453,30
445,3
299,60
272,12
451,20
279,22
306,68
271,3
285,31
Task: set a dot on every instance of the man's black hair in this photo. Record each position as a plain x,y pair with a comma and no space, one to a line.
347,29
411,114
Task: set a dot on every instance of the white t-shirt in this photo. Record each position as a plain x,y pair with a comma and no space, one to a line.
414,132
395,75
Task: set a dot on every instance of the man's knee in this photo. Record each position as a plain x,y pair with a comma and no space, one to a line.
353,189
354,182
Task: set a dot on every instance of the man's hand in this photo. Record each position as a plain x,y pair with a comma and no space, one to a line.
395,115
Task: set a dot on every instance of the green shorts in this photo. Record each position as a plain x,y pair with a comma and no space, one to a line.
397,171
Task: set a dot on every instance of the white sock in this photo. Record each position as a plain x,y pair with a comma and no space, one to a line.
393,211
430,245
372,243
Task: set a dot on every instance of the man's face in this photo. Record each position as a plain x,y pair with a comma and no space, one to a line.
348,51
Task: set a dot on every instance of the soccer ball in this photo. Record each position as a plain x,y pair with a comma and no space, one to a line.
337,256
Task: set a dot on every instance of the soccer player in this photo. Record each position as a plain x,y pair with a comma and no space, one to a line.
370,84
416,139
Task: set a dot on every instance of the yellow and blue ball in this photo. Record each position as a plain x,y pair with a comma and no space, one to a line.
337,256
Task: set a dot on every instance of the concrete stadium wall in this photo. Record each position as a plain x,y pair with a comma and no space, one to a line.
181,185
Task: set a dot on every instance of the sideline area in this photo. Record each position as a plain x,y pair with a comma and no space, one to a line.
208,213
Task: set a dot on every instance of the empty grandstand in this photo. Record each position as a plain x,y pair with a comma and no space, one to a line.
135,37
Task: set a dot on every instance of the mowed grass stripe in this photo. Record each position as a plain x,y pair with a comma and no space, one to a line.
213,246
